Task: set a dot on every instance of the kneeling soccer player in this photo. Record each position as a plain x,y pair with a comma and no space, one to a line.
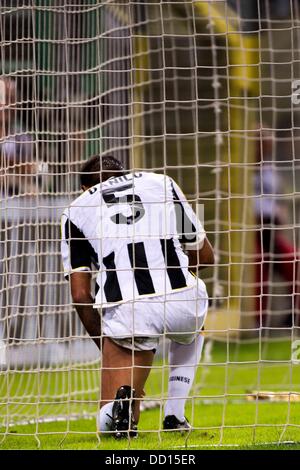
134,228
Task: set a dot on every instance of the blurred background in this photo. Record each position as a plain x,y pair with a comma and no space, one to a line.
203,91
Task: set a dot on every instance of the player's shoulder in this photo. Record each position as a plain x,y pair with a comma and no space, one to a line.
139,179
156,178
83,201
153,183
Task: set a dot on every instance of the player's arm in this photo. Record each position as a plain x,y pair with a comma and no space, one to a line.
201,258
83,302
76,256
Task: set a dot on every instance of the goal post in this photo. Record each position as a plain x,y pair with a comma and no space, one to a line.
236,180
229,142
202,91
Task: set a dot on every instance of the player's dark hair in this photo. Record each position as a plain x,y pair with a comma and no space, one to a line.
98,168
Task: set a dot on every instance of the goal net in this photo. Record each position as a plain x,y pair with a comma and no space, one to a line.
207,92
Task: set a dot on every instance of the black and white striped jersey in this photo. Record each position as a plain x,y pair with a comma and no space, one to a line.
132,228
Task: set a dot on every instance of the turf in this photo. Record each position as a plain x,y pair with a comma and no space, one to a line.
219,411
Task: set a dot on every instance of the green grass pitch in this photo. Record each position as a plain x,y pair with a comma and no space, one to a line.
219,412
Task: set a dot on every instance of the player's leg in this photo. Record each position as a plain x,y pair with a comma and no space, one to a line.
183,363
185,315
122,367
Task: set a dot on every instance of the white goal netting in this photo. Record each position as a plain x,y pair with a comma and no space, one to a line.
207,92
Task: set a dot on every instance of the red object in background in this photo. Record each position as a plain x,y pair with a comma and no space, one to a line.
277,253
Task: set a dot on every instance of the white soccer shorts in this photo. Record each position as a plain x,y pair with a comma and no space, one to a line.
139,325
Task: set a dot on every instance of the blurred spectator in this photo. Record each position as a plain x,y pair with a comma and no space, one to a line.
20,170
21,173
275,252
7,106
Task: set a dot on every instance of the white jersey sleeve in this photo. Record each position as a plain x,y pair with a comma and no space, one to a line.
75,248
189,227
